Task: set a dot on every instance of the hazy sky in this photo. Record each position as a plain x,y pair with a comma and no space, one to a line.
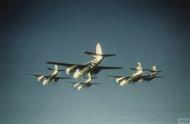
152,32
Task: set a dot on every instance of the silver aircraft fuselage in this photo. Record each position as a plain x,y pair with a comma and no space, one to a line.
87,69
125,81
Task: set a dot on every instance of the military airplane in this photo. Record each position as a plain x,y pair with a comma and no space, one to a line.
125,80
153,75
86,84
90,68
47,79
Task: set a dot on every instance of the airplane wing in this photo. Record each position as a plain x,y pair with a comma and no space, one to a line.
119,77
37,75
62,78
98,68
114,76
107,67
66,64
93,83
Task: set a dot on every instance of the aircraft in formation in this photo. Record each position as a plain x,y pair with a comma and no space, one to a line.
137,76
89,70
48,79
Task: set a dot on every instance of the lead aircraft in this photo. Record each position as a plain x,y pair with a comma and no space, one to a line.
88,69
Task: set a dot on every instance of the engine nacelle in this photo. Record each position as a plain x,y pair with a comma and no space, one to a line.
123,82
76,74
45,82
40,78
70,70
76,85
79,87
119,79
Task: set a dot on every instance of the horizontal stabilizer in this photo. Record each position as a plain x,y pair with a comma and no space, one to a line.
95,54
70,82
36,75
94,83
91,77
62,78
145,70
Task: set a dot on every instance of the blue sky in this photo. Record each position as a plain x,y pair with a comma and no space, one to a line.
152,32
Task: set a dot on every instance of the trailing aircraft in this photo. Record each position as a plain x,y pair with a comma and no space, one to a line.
86,84
47,79
125,80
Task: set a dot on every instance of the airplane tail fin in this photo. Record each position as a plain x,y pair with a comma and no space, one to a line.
113,76
139,67
56,67
98,52
154,68
98,49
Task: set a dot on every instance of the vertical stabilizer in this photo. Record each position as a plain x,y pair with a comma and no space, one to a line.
56,70
98,55
154,68
98,49
56,67
139,67
139,70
